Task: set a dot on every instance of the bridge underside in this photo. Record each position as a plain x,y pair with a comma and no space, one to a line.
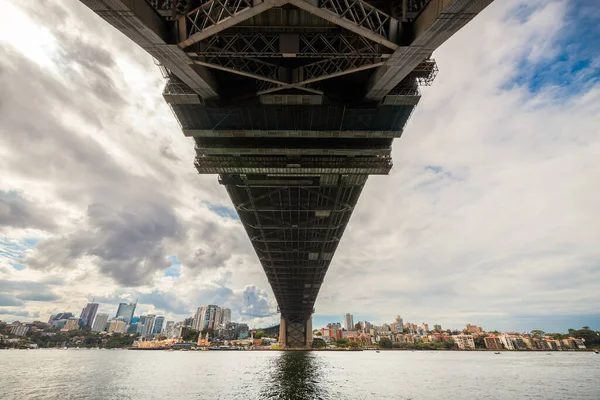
293,103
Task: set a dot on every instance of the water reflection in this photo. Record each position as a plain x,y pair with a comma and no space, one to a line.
295,375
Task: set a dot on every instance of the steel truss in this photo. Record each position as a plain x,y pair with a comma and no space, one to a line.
362,14
295,231
267,45
249,67
333,67
212,12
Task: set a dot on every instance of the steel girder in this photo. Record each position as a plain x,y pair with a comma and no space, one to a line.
356,15
258,44
294,245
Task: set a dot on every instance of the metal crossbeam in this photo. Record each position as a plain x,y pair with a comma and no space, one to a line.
322,70
357,16
258,44
216,15
248,67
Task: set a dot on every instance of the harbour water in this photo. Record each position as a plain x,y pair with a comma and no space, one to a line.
122,374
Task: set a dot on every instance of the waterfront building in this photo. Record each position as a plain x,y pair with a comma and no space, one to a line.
334,325
232,331
88,313
492,343
507,342
100,322
464,342
348,322
19,330
148,322
117,325
158,325
170,330
126,311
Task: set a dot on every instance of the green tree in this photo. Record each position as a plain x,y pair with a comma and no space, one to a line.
343,342
318,343
191,336
385,343
479,342
259,334
354,345
210,331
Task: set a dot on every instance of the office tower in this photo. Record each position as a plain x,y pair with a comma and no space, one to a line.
126,311
158,325
100,321
348,322
88,313
225,316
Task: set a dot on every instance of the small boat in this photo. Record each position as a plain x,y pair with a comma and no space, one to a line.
497,352
377,351
597,351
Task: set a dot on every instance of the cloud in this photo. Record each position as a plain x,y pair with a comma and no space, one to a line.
126,244
7,300
257,303
26,314
17,212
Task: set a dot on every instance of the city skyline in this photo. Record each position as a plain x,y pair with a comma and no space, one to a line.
487,217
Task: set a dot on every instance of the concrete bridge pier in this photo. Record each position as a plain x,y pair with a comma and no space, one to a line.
295,333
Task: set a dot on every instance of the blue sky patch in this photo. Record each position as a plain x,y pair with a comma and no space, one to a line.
13,250
222,211
175,269
575,65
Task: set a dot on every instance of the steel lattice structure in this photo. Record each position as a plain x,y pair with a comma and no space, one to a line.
293,103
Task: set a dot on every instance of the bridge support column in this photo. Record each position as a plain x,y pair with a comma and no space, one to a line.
295,333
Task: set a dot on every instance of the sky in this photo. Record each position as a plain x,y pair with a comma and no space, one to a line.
489,216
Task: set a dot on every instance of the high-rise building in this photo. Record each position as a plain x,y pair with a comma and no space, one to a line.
170,330
126,311
72,324
399,323
348,322
88,313
208,317
158,325
148,322
117,325
425,327
437,327
225,316
99,324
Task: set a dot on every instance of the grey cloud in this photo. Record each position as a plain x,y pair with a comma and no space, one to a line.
10,301
167,151
126,243
38,296
27,314
17,212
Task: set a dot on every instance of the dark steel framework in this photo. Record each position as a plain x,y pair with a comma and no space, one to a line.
294,103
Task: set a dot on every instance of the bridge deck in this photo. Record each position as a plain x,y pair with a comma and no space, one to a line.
293,103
